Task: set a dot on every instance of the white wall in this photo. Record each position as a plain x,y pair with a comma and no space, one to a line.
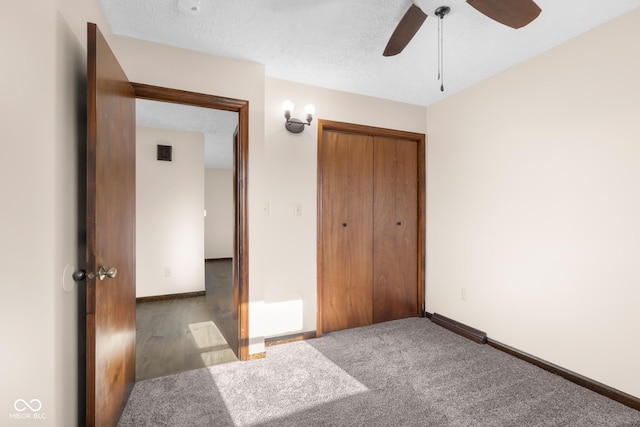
32,289
220,221
533,205
290,293
169,213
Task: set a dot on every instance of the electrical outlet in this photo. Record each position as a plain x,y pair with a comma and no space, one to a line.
167,272
265,209
463,294
297,209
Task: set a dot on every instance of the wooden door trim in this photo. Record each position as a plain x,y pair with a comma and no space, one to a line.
176,96
420,139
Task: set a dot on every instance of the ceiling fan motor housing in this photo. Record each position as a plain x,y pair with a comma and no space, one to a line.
442,11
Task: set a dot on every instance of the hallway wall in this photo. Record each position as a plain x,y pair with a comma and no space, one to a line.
169,213
219,223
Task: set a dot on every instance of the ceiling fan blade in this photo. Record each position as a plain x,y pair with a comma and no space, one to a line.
512,13
406,29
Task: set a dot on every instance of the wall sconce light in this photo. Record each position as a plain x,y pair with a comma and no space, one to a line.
294,125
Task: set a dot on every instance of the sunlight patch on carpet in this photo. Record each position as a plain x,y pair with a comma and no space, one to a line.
254,394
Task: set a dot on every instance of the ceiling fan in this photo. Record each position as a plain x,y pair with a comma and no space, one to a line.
512,13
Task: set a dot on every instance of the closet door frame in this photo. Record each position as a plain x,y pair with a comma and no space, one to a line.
418,138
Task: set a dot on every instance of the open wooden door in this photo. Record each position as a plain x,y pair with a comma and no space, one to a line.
111,292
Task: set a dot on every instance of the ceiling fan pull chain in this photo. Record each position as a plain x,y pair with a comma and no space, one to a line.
441,52
440,13
439,36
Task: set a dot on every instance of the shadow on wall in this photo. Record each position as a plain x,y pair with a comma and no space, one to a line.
72,120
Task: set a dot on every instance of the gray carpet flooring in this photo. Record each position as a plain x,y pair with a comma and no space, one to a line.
408,372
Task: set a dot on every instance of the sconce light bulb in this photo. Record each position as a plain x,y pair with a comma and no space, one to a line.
288,106
310,109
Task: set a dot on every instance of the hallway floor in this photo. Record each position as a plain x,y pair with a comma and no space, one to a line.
180,335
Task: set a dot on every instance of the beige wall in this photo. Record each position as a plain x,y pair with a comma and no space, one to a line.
29,184
533,205
290,176
169,213
220,221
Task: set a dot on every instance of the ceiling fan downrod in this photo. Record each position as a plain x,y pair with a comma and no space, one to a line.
440,13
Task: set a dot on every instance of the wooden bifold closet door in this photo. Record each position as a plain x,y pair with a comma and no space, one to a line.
395,229
347,221
369,234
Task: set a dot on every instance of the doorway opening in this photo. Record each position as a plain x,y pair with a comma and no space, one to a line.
184,167
231,272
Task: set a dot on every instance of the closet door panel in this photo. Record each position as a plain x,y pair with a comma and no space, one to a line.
347,223
395,247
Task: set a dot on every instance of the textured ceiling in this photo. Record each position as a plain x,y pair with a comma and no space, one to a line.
338,44
217,126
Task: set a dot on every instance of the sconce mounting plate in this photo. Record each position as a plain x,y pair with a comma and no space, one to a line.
294,125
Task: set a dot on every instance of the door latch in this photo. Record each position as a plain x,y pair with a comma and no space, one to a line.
80,275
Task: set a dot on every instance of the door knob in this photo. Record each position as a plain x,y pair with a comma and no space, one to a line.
110,273
80,275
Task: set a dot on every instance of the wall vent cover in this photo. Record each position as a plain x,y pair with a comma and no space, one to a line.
164,152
